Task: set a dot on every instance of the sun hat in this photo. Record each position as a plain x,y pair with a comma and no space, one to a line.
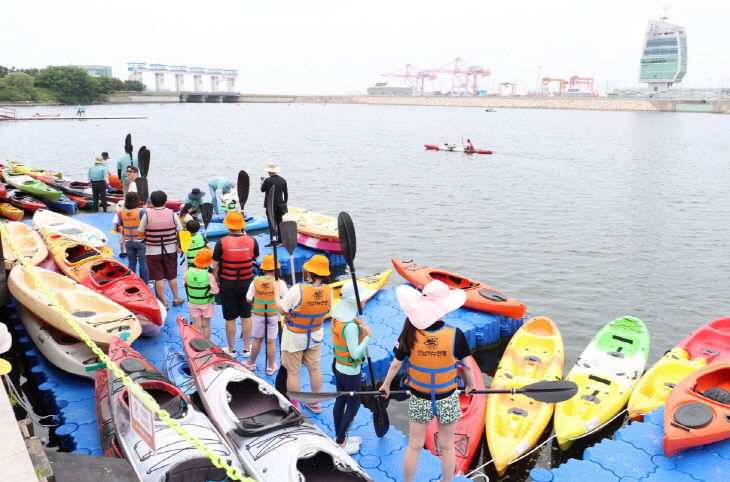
234,220
346,309
426,307
230,185
105,155
272,167
196,193
203,258
99,160
318,264
267,264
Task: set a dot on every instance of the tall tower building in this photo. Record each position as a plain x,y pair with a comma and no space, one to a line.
664,59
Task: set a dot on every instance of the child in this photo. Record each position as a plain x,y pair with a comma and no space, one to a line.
186,213
197,241
261,296
122,250
201,287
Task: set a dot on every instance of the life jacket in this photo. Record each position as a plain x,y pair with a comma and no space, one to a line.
161,228
263,297
339,344
431,366
310,313
237,260
197,286
228,204
197,242
130,222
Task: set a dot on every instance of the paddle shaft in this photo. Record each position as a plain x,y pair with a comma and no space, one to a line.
359,312
291,268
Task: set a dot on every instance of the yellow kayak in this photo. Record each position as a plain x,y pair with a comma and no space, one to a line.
34,172
514,423
655,385
372,285
74,259
313,224
27,241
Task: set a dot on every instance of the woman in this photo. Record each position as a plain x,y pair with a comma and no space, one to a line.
128,221
431,347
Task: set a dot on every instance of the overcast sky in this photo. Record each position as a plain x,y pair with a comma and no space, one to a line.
342,47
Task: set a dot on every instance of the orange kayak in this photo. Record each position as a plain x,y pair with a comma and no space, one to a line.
479,296
114,181
698,409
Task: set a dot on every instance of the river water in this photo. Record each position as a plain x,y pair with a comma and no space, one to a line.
585,216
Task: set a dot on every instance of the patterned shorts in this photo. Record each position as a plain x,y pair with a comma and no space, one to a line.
448,409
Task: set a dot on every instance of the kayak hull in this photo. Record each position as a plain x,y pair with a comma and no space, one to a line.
46,222
30,244
318,243
456,149
370,284
313,224
32,186
11,212
72,258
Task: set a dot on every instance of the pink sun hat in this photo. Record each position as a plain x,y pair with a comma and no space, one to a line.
426,307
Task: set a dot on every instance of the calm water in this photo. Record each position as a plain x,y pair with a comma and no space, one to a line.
585,216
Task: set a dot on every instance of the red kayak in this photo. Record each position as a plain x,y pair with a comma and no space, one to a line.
710,341
114,280
107,431
452,148
469,428
698,409
174,205
23,200
77,189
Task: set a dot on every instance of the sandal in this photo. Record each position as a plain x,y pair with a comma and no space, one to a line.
250,365
178,302
272,370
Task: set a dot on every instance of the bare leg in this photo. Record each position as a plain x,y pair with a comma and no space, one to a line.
315,379
292,381
246,332
205,327
160,290
231,334
173,288
255,349
448,457
416,438
198,324
271,351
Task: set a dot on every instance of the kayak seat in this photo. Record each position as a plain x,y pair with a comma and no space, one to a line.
79,253
174,404
320,467
199,468
257,412
718,395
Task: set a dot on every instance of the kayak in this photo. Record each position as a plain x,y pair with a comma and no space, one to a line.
175,459
273,440
479,296
107,430
318,243
64,351
469,428
174,205
514,423
80,201
36,188
72,258
709,342
605,373
371,285
11,212
63,204
114,182
253,223
452,148
29,243
81,189
114,280
23,200
698,409
47,222
98,317
313,224
30,170
175,367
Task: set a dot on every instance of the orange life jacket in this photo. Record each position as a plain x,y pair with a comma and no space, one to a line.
310,313
130,219
237,259
339,344
263,298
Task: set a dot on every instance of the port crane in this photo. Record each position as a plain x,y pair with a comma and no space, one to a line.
413,77
512,85
546,81
587,81
465,78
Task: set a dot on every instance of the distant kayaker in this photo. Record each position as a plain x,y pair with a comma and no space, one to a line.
160,226
434,351
282,196
98,177
123,162
233,259
350,338
469,147
219,185
305,306
265,315
128,221
197,241
201,288
195,199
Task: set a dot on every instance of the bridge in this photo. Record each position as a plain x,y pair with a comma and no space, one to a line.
194,96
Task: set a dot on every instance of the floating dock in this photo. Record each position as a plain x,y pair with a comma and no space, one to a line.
101,117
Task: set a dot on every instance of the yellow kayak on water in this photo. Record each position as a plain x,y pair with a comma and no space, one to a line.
29,170
372,285
514,423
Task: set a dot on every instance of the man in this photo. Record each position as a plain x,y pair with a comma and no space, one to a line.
160,226
233,259
122,163
98,178
195,199
132,173
282,197
219,184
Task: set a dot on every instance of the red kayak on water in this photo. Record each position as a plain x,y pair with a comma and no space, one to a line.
456,148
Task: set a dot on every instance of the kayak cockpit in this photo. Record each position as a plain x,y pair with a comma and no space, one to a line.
106,271
321,467
256,410
199,468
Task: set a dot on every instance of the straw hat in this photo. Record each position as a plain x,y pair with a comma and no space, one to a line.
203,258
267,264
427,307
99,160
346,309
234,220
272,167
318,265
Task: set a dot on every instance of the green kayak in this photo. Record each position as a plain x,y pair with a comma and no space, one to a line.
31,186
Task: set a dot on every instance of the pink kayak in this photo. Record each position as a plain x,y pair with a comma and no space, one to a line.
317,243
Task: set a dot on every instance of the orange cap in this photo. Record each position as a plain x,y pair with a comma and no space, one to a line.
318,264
203,258
267,264
234,220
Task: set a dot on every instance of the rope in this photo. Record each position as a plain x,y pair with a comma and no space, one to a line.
233,473
15,393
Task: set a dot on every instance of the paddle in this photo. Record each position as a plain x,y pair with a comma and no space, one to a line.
242,186
185,240
141,182
143,159
543,391
288,234
206,212
272,222
128,144
348,245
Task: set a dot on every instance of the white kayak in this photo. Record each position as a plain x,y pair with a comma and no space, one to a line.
27,241
45,221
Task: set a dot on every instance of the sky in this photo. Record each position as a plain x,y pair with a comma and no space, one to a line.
343,47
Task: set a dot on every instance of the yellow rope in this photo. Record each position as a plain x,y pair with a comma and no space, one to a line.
233,473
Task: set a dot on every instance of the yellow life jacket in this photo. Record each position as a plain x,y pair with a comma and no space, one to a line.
339,344
263,298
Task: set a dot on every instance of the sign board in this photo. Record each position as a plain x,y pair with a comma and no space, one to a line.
143,421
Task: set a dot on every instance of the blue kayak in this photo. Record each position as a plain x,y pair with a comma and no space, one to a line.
175,367
254,223
63,204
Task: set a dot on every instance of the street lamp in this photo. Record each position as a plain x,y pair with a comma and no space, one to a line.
539,88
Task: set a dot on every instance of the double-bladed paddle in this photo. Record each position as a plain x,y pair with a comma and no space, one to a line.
143,159
242,187
288,234
348,245
544,391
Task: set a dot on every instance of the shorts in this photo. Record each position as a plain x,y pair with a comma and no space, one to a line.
448,409
293,360
257,329
162,266
233,299
202,311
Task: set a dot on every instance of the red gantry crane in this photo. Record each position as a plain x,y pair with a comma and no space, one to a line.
587,81
414,78
465,79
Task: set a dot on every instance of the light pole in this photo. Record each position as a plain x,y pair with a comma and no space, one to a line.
539,81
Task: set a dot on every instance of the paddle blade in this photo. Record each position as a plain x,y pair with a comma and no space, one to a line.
206,211
550,391
380,416
346,232
185,239
309,397
243,187
288,233
144,162
128,144
142,189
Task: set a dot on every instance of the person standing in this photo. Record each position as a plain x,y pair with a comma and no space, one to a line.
350,338
160,226
434,351
201,288
233,259
281,193
219,184
128,221
306,306
123,162
195,199
98,177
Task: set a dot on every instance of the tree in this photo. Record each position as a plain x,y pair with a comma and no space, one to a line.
134,85
72,85
19,80
107,85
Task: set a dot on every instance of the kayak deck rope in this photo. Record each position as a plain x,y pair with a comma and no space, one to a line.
233,473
